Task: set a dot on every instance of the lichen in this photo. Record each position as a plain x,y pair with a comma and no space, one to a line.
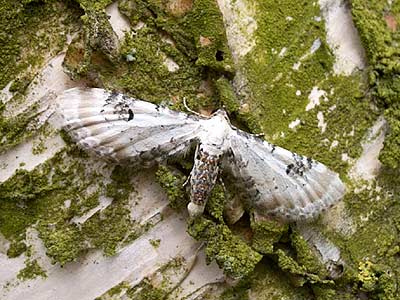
39,197
215,205
15,129
266,234
27,41
16,248
160,284
377,22
115,292
198,32
193,37
28,38
173,185
155,243
31,271
226,95
230,252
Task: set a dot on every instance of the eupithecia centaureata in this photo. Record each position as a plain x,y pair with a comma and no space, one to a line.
271,180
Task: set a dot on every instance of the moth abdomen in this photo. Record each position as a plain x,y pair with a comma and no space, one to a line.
202,179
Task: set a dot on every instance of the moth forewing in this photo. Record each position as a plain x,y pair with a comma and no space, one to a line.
275,181
279,183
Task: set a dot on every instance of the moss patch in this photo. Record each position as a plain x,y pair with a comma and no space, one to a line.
27,41
172,182
161,284
378,25
232,254
266,234
26,37
282,70
31,271
193,42
53,194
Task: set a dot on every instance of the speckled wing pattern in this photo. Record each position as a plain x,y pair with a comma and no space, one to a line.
275,182
121,128
280,183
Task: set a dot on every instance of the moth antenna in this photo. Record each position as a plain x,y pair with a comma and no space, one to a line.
190,110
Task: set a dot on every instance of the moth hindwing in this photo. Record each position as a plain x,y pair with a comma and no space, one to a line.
273,181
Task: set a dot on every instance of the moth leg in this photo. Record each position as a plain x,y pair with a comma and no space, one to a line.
187,180
221,182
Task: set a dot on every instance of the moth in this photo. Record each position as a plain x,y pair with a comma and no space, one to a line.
269,180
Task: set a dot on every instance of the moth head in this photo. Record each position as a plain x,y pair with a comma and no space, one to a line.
221,113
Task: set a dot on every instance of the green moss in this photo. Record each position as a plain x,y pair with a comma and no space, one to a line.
63,244
155,243
147,77
113,233
371,253
173,185
20,84
161,285
15,129
290,265
376,281
272,80
115,291
94,5
195,41
377,23
198,31
237,292
216,202
208,31
226,95
305,255
27,38
367,276
147,291
27,41
269,282
348,105
390,155
16,249
39,147
321,292
31,271
231,253
40,196
266,234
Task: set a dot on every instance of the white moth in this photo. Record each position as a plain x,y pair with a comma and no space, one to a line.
270,180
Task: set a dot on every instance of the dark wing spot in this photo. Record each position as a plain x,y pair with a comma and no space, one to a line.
309,161
289,168
131,115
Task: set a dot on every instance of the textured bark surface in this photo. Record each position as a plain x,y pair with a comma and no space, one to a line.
318,78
